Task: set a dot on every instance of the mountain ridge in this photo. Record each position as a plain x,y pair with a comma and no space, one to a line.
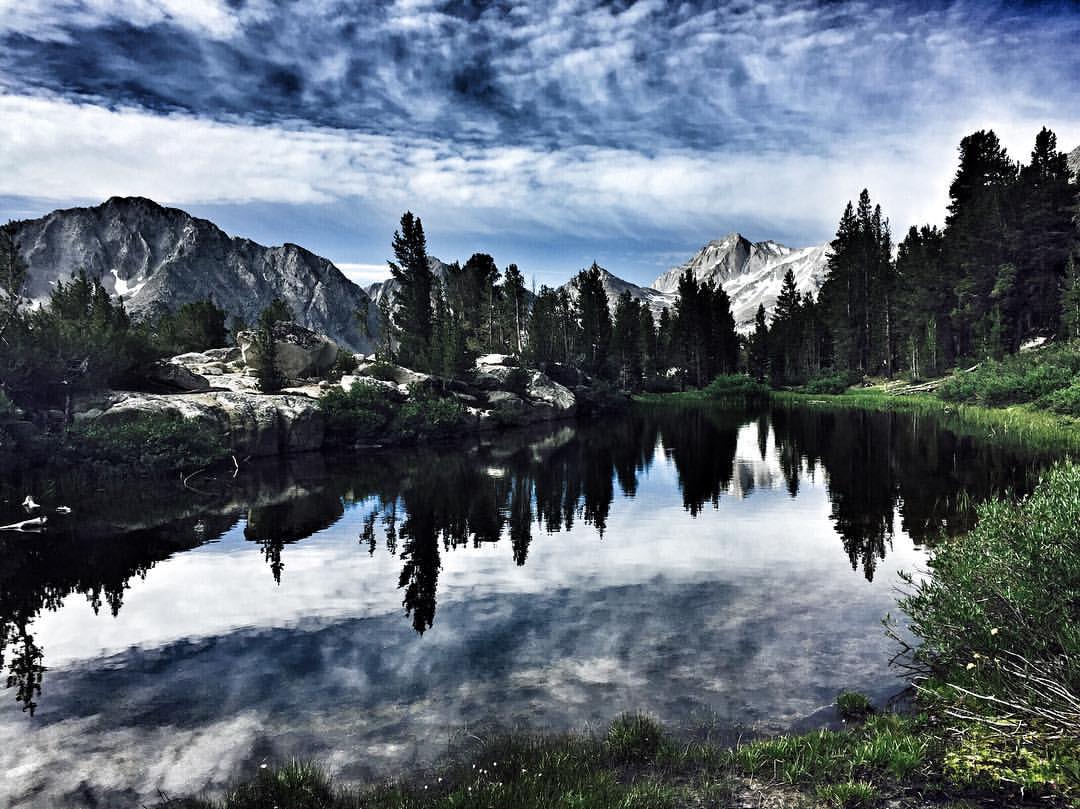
157,258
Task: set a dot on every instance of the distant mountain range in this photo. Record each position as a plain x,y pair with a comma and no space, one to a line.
158,258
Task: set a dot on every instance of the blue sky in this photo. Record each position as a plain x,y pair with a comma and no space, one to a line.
549,134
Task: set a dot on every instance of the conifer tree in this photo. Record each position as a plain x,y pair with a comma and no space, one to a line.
593,320
758,353
1044,234
412,315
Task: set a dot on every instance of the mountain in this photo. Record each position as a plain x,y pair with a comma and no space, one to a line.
750,272
1074,161
158,258
615,286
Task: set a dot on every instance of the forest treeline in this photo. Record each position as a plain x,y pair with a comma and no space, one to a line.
1002,270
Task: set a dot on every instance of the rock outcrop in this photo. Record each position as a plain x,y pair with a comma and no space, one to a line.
299,353
251,424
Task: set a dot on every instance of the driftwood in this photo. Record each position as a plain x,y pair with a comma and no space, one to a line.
36,524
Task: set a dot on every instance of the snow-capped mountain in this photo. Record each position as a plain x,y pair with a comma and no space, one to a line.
750,272
1074,161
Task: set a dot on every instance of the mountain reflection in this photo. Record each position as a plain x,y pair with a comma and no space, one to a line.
881,470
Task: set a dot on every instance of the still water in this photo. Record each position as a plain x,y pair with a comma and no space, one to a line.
716,569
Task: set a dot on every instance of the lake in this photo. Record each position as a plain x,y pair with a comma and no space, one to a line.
721,570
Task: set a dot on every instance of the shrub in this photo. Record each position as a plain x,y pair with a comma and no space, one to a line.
737,389
367,411
1000,630
1065,401
383,371
364,411
345,363
1035,376
517,381
427,415
826,383
153,441
853,706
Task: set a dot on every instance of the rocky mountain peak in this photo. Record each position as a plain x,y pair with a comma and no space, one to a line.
158,258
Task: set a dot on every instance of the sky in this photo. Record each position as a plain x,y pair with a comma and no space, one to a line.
548,134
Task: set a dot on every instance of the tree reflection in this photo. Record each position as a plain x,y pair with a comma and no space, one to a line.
880,469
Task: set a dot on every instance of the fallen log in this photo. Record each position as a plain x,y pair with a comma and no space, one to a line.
35,524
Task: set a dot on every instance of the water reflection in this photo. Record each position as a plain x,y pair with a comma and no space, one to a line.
881,470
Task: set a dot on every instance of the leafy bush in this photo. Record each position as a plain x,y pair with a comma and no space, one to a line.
153,441
737,388
999,620
853,706
517,381
344,364
367,412
362,412
1035,376
427,415
383,371
826,383
1065,401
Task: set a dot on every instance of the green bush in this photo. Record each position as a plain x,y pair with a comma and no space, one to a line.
1065,401
833,383
999,621
345,363
427,415
152,441
517,381
383,371
362,412
737,388
853,706
1035,376
369,412
634,737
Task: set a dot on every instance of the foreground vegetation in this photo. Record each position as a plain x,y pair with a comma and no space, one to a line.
634,764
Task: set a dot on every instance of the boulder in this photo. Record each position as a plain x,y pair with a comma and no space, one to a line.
298,352
388,372
485,360
544,390
250,424
176,375
230,354
504,399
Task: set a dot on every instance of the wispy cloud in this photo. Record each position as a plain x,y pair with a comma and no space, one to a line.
625,118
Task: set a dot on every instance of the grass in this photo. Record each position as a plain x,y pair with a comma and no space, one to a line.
634,764
1022,425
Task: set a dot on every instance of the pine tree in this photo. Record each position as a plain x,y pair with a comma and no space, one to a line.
412,315
514,305
1043,240
976,237
1070,301
12,279
758,354
593,321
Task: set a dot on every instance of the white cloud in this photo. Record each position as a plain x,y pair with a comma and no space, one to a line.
58,149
